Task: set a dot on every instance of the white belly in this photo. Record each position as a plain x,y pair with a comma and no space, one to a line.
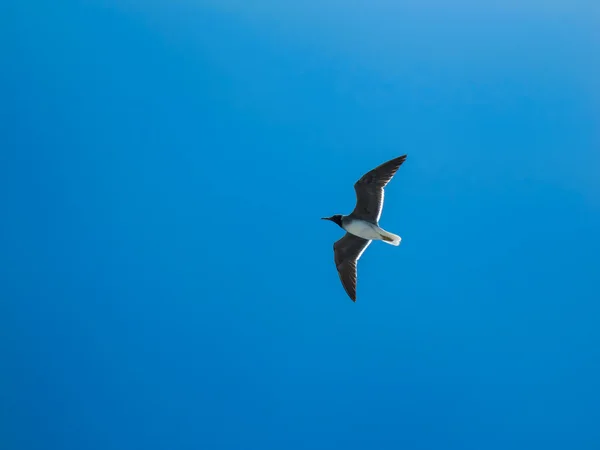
364,230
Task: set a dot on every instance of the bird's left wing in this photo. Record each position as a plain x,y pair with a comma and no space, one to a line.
369,189
347,251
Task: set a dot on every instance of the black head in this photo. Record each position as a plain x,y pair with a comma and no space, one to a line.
335,219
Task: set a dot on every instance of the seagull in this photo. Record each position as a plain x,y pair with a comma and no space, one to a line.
362,224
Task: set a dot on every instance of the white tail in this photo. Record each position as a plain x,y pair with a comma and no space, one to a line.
390,238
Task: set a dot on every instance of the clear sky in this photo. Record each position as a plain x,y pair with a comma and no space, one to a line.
166,280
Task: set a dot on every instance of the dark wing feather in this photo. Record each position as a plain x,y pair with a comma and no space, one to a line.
369,190
347,252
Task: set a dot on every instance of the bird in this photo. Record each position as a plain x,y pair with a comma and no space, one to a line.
362,224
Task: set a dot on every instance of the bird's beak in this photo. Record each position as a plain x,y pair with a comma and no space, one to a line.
325,218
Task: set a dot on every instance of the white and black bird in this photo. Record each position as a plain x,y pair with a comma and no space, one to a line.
362,224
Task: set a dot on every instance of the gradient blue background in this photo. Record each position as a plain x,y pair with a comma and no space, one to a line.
166,282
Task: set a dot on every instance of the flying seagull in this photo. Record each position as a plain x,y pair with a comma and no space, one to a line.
362,224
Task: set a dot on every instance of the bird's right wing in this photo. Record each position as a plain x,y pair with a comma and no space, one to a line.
369,189
347,251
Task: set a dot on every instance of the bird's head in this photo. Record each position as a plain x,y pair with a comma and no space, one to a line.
337,218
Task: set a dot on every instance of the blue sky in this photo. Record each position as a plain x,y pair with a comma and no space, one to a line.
166,280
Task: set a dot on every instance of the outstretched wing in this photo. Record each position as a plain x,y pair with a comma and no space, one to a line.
369,190
347,252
